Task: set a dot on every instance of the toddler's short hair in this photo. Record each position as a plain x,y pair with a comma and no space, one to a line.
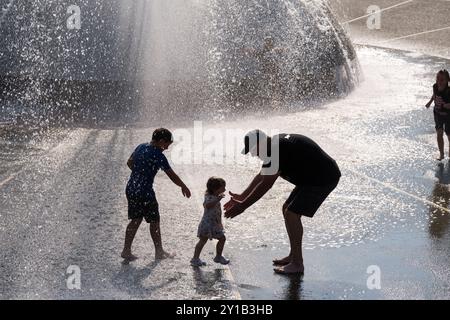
213,184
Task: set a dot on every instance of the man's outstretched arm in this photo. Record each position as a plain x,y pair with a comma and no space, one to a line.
265,184
235,207
241,197
177,180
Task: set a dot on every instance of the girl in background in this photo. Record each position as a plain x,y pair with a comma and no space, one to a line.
441,98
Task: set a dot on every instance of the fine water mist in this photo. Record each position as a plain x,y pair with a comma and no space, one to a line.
216,57
157,60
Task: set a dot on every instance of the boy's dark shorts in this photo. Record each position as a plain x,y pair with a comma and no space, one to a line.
306,200
143,208
442,122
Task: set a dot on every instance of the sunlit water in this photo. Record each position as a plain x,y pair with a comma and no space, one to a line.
157,60
63,203
67,206
371,133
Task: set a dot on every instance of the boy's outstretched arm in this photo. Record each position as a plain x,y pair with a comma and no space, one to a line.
176,179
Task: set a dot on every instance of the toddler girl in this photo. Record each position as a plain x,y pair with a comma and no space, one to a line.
211,224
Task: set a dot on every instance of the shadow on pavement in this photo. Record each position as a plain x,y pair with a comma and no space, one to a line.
206,282
130,279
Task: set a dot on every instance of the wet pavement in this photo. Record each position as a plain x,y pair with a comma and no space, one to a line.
414,25
65,205
390,209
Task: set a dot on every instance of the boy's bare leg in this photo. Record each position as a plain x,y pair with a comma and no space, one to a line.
130,233
294,224
199,247
440,142
155,233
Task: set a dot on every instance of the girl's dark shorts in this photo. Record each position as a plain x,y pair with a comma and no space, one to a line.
143,208
306,200
442,121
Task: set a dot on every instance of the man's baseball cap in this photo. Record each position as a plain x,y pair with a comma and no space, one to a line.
253,139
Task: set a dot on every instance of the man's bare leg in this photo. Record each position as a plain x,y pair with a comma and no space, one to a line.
294,224
440,142
286,260
155,232
130,233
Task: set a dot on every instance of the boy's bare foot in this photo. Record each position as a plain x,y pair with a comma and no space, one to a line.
282,262
164,255
128,256
291,268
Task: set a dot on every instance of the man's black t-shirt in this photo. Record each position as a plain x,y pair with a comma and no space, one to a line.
303,162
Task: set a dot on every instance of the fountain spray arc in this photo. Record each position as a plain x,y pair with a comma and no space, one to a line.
156,60
202,58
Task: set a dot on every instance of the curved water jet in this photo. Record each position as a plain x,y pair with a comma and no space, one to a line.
163,59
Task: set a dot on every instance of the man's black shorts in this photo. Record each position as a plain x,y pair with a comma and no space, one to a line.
143,208
306,200
442,121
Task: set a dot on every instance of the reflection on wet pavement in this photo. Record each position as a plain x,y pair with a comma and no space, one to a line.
440,220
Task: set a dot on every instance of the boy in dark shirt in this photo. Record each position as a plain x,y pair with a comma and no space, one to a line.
145,162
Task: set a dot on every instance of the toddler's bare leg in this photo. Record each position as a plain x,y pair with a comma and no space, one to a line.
220,245
199,247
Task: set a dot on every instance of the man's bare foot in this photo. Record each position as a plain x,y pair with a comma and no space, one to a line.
440,158
282,262
164,255
128,256
291,268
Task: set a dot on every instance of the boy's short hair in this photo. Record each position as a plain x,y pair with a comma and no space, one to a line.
162,134
214,183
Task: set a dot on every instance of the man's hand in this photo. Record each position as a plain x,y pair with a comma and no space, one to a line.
428,105
236,196
186,192
233,208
